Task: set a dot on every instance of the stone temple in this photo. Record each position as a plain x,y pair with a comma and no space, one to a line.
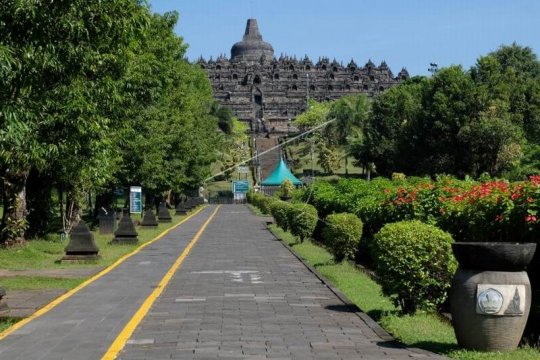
267,92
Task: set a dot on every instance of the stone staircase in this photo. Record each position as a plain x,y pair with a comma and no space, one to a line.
270,160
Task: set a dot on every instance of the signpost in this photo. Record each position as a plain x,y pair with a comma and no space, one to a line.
240,188
135,200
243,169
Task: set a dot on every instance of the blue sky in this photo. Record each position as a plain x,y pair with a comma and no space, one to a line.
404,33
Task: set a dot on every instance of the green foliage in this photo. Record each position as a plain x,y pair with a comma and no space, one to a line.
459,122
414,263
315,115
424,329
235,147
302,219
98,94
170,121
261,201
350,114
287,187
328,157
280,211
342,234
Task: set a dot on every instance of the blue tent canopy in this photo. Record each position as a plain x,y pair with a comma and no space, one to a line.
279,175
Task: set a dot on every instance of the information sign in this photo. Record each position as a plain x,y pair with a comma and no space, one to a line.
240,186
243,169
135,200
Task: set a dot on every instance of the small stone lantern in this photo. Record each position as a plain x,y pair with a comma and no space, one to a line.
126,233
81,244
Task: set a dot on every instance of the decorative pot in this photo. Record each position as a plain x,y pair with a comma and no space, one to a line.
532,330
490,297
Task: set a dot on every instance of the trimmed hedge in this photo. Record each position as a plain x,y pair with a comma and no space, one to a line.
280,211
261,201
302,220
414,263
342,235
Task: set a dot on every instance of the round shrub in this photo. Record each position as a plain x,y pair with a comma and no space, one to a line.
414,263
302,219
342,234
280,211
265,202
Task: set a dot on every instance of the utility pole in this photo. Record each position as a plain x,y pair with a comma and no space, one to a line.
307,91
312,167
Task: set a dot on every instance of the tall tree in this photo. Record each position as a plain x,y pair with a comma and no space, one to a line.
53,57
384,130
350,114
170,137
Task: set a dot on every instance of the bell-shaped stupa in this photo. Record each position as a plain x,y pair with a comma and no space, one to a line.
252,47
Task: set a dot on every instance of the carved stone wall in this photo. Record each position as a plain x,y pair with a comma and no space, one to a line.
268,93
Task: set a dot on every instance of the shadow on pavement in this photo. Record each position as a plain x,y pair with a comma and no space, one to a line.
435,346
342,308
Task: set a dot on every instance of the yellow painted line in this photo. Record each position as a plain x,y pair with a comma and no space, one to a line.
130,327
100,274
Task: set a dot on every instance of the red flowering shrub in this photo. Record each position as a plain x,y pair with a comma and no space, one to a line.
494,210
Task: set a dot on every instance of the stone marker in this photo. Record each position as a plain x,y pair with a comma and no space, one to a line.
107,221
181,209
163,214
188,204
81,244
149,219
3,305
126,233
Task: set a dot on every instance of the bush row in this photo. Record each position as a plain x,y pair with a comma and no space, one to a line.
413,260
491,210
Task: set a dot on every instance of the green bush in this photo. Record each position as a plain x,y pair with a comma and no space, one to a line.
261,201
414,263
342,234
264,204
302,220
280,211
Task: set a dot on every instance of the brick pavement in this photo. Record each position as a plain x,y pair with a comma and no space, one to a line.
85,325
242,295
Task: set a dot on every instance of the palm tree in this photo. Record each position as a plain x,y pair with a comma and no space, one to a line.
223,115
350,113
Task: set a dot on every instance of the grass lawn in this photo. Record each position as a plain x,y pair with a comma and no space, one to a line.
423,330
39,282
5,323
44,253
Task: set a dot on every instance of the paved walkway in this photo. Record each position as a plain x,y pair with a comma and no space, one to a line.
240,294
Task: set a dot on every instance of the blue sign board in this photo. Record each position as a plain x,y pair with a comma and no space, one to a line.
240,186
135,200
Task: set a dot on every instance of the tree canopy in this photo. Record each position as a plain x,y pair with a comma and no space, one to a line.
484,120
95,95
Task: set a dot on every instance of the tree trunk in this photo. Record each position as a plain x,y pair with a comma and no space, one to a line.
39,203
346,165
149,202
14,218
73,213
